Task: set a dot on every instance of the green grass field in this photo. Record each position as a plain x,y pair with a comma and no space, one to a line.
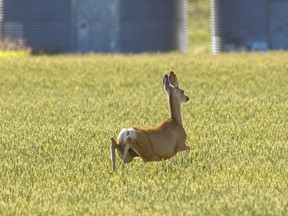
59,112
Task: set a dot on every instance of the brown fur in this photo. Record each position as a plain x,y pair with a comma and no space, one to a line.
158,143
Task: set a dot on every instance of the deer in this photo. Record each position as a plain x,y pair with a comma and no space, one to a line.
161,142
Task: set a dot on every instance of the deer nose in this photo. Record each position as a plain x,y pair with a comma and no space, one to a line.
187,99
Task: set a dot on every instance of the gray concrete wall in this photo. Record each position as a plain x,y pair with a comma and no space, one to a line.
96,25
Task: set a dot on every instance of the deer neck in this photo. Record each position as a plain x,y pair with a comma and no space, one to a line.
175,109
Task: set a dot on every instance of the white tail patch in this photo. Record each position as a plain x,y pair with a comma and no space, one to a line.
132,133
125,133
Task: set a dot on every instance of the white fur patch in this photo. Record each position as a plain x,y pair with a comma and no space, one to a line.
122,135
132,133
126,132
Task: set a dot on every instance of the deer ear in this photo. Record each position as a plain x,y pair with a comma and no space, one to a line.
166,83
173,79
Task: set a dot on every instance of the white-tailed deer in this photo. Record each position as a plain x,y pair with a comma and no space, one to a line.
158,143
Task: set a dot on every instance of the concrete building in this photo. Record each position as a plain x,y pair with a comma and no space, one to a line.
63,26
249,25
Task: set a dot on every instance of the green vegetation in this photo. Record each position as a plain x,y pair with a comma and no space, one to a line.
199,26
13,54
58,114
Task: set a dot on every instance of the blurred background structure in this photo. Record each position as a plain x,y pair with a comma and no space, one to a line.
249,25
113,26
135,26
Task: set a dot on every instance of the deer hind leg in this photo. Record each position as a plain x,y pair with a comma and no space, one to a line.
113,147
126,149
128,144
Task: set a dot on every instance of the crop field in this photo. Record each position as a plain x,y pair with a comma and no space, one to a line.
57,114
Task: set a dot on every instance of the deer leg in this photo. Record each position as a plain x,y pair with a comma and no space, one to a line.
113,146
183,148
126,149
187,151
128,145
171,162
